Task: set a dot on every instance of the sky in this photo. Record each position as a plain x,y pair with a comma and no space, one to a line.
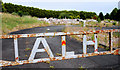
105,6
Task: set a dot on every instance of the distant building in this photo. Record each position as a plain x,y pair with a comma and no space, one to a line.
119,5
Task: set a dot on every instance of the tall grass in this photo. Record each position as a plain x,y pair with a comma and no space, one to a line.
14,22
103,38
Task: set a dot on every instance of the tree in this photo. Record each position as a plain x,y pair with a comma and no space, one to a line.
113,14
20,13
118,15
78,16
71,17
70,14
25,13
41,13
1,3
101,16
63,15
107,16
83,15
66,15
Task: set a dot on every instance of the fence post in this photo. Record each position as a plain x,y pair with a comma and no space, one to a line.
110,41
84,23
96,44
84,44
16,49
63,39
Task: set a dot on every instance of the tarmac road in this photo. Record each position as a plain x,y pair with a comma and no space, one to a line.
104,61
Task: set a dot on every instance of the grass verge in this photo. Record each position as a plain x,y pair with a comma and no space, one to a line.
12,23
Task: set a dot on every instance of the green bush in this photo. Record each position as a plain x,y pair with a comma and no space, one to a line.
82,24
99,20
25,13
114,23
107,25
20,13
14,13
108,20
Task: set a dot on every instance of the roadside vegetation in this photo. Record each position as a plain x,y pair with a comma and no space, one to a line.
17,17
72,14
42,13
103,38
12,23
102,24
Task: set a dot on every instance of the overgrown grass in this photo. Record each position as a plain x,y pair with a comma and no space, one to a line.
116,34
14,22
95,24
103,38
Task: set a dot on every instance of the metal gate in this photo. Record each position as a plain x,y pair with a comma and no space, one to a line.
65,54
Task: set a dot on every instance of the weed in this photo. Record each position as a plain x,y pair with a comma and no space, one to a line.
105,39
26,55
58,54
107,25
27,49
107,48
81,68
92,36
52,67
47,62
116,34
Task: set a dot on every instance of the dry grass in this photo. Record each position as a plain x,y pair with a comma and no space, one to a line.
94,24
12,23
103,38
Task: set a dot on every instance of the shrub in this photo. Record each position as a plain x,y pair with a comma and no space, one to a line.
14,13
114,23
25,13
107,25
82,24
108,20
20,13
99,20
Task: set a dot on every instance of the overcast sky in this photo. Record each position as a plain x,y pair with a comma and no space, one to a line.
105,6
60,0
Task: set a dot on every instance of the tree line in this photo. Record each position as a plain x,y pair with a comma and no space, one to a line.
114,15
23,10
41,13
